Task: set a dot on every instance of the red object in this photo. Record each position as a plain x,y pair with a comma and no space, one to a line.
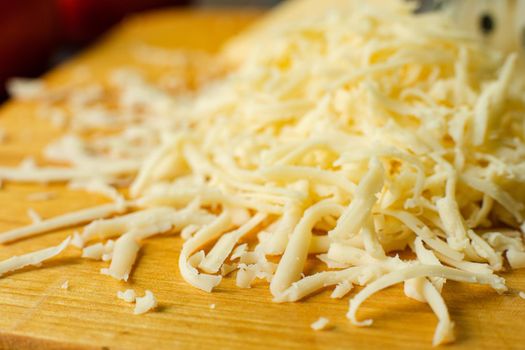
84,20
29,34
31,30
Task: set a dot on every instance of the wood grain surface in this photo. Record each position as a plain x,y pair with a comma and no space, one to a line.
35,313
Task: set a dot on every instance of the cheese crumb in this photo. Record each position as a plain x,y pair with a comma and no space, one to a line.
522,295
128,295
145,303
212,306
341,290
321,324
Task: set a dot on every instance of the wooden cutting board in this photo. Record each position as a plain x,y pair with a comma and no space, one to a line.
35,313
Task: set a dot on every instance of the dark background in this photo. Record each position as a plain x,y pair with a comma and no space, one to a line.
37,34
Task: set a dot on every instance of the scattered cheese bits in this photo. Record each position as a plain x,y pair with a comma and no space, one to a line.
65,285
212,306
128,295
321,324
355,135
145,303
521,295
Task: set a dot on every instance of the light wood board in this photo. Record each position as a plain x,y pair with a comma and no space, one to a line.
35,313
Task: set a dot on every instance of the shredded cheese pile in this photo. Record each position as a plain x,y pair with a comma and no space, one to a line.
351,138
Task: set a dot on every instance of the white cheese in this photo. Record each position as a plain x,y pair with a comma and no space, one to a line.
123,257
32,259
128,295
94,251
145,303
341,290
321,324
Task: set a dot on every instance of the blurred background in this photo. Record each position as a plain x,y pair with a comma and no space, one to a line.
37,34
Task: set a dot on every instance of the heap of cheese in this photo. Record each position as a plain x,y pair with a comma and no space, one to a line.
352,137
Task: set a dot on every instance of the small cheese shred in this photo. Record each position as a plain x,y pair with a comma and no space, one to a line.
321,324
245,276
341,290
128,295
521,295
32,259
145,303
124,254
59,222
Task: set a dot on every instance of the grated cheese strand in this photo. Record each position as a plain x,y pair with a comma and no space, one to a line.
32,259
292,262
395,277
58,222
